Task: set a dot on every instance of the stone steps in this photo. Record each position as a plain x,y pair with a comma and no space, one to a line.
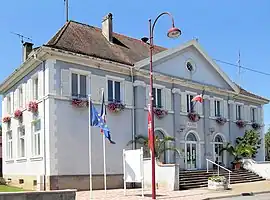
196,179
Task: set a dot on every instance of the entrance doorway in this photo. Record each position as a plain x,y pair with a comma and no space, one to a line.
219,157
191,149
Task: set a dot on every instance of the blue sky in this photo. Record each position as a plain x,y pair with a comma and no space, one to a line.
222,28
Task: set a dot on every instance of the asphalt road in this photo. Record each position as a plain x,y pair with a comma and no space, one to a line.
265,196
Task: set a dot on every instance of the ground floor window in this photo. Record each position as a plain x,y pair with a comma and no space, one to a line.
9,145
36,129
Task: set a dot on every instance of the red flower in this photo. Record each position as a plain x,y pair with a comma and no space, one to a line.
33,106
6,119
116,107
18,114
160,113
79,103
194,117
240,123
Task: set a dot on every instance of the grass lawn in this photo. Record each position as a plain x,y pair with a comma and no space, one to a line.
5,188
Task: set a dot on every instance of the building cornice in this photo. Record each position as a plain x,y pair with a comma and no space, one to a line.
176,91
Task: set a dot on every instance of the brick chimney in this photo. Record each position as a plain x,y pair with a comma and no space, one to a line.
107,27
27,48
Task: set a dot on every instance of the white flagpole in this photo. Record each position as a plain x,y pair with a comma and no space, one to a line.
104,154
90,149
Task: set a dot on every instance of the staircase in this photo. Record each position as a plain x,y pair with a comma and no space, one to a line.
199,178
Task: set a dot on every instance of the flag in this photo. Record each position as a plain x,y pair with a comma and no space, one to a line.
149,128
198,98
103,114
96,119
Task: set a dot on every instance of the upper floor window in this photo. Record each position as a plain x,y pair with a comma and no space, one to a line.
36,128
157,102
253,114
21,141
238,112
190,103
78,88
8,104
20,97
114,91
35,88
217,108
9,152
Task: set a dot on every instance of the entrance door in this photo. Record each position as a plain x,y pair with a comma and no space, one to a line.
218,154
191,156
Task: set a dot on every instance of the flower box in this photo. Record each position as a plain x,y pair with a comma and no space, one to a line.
79,103
221,120
116,107
160,113
240,123
217,183
6,119
255,126
18,114
33,106
194,117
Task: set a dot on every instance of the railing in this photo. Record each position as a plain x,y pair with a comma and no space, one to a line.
219,166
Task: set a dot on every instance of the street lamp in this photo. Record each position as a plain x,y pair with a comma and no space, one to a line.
173,32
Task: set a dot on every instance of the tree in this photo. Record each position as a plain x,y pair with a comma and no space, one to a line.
0,130
161,145
267,142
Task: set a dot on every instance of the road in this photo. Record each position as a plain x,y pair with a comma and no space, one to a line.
265,196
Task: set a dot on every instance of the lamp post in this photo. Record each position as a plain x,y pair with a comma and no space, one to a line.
172,33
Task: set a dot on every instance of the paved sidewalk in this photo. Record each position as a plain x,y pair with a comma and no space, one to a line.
193,194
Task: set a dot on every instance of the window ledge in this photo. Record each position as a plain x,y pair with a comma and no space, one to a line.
9,161
20,160
36,158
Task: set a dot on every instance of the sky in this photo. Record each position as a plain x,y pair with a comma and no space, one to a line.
222,27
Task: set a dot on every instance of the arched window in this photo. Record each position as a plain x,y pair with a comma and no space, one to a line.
218,146
161,145
191,137
218,139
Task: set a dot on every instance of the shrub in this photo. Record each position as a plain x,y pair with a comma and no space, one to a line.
2,181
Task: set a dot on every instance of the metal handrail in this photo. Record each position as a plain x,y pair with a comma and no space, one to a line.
219,166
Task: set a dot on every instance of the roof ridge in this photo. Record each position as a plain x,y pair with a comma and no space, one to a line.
60,32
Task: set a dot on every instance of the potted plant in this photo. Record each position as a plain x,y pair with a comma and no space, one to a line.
240,123
217,183
18,114
221,120
161,145
160,113
6,119
115,107
33,106
79,103
194,117
255,126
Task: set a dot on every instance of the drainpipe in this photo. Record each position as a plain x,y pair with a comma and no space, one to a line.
43,102
133,108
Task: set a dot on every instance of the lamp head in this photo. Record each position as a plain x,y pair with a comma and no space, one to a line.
174,32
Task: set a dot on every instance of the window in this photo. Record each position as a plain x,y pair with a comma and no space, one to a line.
114,91
156,92
190,104
217,108
35,89
253,114
21,141
78,88
238,112
20,97
9,145
9,105
36,127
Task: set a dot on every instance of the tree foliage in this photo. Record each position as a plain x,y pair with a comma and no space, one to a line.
0,130
267,139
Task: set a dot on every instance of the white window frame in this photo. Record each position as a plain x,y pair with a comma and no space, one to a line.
240,106
216,107
21,137
9,149
20,96
79,73
188,94
36,146
253,108
156,97
116,79
35,87
8,104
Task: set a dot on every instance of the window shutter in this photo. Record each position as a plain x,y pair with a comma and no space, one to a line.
30,90
163,98
212,107
225,109
233,114
168,93
88,85
97,83
183,102
242,108
24,95
199,108
16,99
259,115
11,102
128,93
147,91
40,84
246,113
4,106
65,82
221,108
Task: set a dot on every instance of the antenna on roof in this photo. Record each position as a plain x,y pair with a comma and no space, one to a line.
239,67
66,3
22,37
